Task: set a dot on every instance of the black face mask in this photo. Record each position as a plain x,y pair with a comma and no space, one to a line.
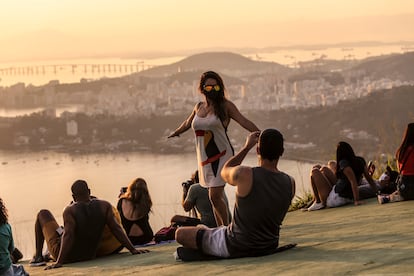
212,95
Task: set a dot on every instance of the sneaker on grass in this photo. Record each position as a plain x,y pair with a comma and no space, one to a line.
316,206
37,261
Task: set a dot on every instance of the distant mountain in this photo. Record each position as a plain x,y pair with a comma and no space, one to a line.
223,62
396,66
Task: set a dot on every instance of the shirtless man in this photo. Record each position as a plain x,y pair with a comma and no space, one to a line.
84,221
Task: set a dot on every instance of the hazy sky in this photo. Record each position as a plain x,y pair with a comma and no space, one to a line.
38,29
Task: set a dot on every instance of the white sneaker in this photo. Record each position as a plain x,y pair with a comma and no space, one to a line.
316,206
176,257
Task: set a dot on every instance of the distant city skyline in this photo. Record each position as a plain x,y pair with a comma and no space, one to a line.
49,29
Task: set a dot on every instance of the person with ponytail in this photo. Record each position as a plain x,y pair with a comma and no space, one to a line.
134,207
209,119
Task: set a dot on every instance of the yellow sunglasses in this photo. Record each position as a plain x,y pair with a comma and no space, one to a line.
208,88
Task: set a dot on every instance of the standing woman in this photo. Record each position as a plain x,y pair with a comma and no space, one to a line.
209,120
134,207
405,158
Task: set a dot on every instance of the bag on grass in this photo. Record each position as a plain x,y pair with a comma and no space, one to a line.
165,234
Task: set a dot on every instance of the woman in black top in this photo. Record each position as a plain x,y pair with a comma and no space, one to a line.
134,207
349,172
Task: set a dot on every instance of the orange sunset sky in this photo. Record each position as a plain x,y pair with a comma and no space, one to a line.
45,29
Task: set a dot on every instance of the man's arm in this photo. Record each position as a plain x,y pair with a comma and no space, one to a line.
237,175
117,229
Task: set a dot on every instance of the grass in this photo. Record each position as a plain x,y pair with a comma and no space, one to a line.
300,202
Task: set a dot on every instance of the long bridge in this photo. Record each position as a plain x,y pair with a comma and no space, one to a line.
74,69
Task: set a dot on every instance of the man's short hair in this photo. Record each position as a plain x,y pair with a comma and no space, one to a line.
271,144
80,187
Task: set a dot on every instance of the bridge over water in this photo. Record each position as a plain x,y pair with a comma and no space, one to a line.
74,69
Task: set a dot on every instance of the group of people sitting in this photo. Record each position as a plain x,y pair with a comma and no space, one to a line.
93,227
348,179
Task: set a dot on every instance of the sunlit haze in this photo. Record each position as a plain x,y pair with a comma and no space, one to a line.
101,28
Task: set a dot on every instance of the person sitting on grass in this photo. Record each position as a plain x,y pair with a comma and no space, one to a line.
405,159
344,189
263,197
8,253
84,222
134,207
195,197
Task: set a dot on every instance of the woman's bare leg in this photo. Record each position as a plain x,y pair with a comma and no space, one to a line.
322,185
218,203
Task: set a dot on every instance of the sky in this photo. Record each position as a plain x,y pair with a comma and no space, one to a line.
47,29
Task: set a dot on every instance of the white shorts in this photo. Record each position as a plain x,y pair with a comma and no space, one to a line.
335,200
214,241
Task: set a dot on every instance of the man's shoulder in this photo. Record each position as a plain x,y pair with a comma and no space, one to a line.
197,188
101,202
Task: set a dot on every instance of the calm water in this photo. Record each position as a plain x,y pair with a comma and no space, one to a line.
32,181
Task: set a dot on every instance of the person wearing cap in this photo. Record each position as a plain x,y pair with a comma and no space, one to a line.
84,221
263,197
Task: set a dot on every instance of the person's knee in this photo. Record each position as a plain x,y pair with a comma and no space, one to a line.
179,235
187,236
44,213
44,216
315,172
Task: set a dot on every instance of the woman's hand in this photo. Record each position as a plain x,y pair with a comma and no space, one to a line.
174,134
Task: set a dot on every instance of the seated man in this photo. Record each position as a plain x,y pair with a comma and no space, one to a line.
263,196
196,196
84,221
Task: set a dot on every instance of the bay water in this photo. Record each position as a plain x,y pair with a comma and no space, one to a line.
31,181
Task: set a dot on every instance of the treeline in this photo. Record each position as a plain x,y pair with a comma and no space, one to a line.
373,125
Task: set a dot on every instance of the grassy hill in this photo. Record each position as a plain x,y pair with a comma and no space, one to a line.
226,62
373,125
397,66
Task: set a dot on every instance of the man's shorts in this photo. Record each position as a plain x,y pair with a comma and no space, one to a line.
52,238
212,241
335,200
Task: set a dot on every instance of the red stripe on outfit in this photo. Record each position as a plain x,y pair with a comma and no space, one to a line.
213,158
200,132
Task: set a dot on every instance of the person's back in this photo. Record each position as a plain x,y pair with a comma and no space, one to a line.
90,220
343,187
198,196
258,216
133,221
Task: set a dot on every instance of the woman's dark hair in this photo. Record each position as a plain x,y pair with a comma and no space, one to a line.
137,192
408,140
3,213
216,98
344,151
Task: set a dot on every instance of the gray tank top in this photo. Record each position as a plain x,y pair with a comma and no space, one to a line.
258,216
